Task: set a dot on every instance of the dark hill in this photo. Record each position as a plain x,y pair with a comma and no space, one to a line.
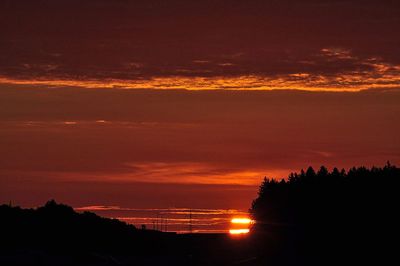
56,226
56,235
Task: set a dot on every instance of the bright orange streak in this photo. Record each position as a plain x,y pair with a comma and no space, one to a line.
239,231
251,82
241,221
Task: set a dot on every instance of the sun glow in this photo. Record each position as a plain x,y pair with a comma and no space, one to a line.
239,231
241,221
240,225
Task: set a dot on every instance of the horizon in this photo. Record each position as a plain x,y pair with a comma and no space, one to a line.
186,220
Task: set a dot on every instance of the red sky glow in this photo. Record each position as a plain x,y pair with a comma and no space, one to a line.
189,104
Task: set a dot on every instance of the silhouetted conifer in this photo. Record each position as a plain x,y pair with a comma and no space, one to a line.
325,212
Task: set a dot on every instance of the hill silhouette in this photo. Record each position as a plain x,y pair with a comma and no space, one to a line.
57,225
57,235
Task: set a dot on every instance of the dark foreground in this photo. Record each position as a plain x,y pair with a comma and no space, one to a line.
313,219
275,248
56,235
196,249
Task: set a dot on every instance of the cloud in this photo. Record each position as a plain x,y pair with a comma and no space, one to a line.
328,69
239,46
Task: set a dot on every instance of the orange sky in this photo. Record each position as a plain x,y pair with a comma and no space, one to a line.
145,104
114,138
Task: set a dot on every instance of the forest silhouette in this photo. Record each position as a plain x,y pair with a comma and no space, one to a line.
311,218
322,217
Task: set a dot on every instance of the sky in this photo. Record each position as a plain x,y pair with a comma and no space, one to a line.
123,105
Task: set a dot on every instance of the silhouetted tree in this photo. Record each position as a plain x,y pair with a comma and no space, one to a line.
330,211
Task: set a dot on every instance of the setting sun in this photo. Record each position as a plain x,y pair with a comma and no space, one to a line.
239,231
240,225
241,221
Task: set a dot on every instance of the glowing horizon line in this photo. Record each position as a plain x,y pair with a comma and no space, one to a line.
166,210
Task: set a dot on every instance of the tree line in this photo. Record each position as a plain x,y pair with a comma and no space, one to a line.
330,214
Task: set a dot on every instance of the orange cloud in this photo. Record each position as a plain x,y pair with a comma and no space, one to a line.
382,75
359,73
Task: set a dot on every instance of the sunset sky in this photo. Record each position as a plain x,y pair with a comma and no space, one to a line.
189,104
